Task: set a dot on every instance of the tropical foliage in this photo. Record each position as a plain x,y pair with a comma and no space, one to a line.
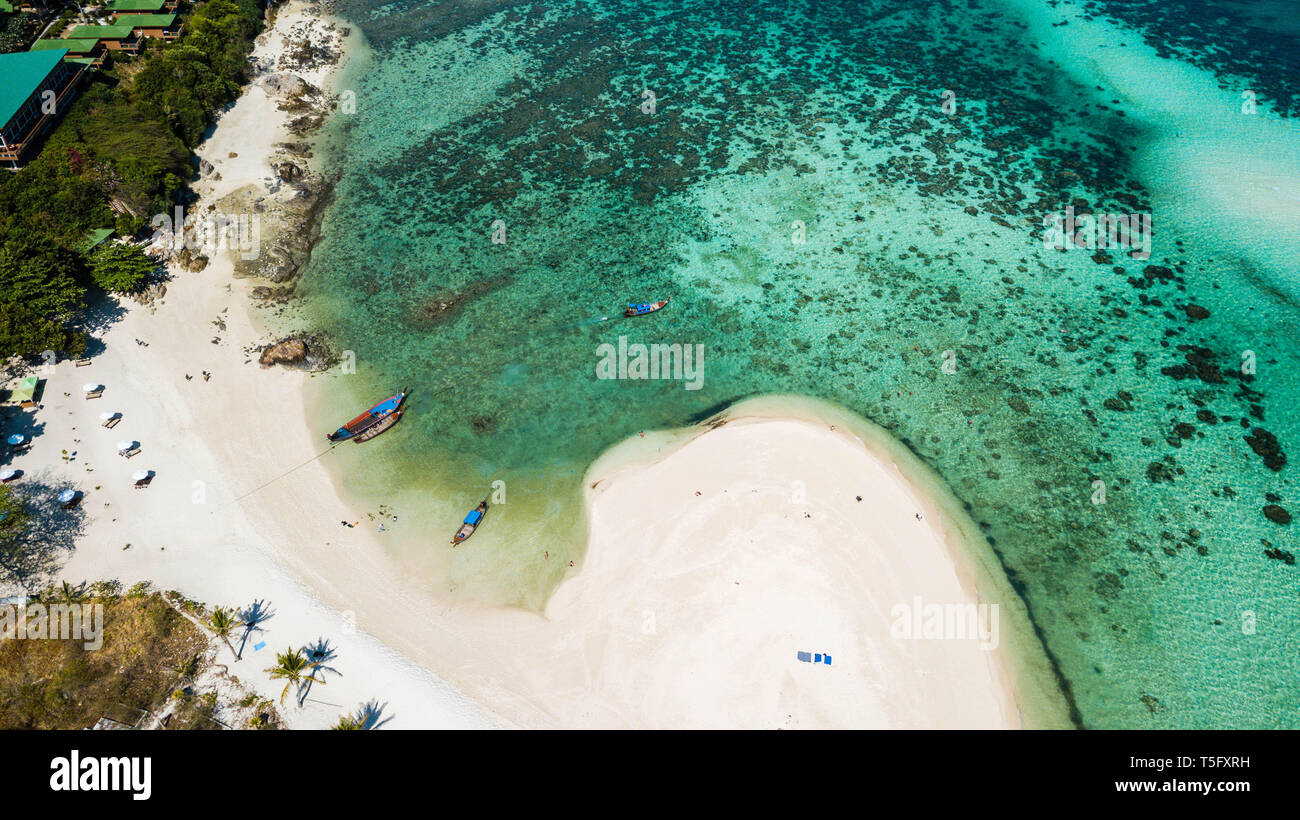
119,155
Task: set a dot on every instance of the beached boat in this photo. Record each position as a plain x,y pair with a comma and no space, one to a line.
378,427
389,409
472,521
644,307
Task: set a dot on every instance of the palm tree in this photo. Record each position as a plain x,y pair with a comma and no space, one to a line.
69,594
348,723
223,624
291,665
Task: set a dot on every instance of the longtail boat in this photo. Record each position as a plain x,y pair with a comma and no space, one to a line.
643,308
378,427
472,521
362,427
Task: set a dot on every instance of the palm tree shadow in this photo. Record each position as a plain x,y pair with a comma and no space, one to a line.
319,654
256,614
371,715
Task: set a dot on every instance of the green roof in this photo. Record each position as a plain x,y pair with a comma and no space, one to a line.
93,239
100,33
24,71
133,5
73,46
146,20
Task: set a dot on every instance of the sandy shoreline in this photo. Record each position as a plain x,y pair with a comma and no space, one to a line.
687,611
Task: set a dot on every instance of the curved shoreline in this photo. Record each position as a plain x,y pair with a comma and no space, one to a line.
1019,668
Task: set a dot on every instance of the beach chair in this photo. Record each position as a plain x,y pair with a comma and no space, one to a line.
82,362
111,423
131,453
143,483
94,394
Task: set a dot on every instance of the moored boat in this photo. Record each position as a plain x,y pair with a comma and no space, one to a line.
643,308
472,522
389,409
378,427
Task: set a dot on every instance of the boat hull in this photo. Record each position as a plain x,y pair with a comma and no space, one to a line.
645,309
386,410
471,524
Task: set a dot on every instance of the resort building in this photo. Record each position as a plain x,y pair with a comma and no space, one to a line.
116,37
86,52
142,6
162,26
37,89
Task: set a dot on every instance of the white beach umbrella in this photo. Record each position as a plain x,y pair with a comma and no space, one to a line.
141,475
90,387
67,495
125,445
17,438
7,473
106,415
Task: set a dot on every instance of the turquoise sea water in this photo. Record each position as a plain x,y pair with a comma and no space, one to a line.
1172,604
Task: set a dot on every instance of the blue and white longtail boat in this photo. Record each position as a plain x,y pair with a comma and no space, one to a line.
471,523
641,309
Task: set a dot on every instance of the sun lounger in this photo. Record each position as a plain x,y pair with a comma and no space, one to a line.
111,423
82,362
94,394
131,453
143,483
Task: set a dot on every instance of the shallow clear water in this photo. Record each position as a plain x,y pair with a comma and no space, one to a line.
922,236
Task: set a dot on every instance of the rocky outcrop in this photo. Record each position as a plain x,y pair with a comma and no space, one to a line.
290,225
287,351
301,352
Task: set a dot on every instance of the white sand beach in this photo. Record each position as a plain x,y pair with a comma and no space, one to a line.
714,557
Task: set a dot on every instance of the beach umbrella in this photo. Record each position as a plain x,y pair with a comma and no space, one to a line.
141,475
125,445
17,438
66,496
7,473
90,387
106,415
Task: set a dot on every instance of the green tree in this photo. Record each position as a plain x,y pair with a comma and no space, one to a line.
24,332
36,272
120,268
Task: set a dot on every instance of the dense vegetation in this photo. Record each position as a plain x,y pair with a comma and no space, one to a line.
119,156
